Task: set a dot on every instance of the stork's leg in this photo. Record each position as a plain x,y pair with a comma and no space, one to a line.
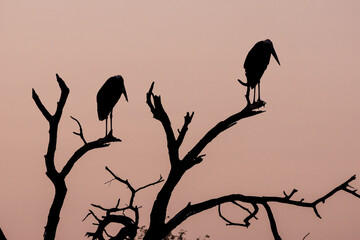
247,95
111,120
106,126
254,93
259,93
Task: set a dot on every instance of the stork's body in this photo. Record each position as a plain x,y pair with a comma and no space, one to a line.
107,97
256,63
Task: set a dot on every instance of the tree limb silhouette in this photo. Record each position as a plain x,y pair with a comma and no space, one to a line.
192,209
2,235
56,177
130,225
159,227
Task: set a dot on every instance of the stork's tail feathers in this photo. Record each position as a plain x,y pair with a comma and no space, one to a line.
242,83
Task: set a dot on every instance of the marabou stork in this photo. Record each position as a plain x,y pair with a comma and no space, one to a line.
255,65
108,96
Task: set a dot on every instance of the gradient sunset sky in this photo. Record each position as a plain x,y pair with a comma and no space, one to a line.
307,139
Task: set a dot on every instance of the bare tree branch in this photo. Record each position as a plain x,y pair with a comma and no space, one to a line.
228,222
246,220
217,129
182,132
192,209
160,114
93,214
150,184
100,143
126,182
41,107
2,235
247,210
127,232
272,221
51,172
130,225
343,187
158,229
65,92
58,178
306,236
53,124
80,134
291,194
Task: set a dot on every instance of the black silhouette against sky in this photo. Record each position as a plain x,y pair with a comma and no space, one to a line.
107,97
308,138
255,65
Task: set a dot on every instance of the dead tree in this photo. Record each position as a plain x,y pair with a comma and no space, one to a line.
130,225
57,177
160,225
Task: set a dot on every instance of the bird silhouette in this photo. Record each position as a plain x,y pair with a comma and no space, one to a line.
255,65
108,95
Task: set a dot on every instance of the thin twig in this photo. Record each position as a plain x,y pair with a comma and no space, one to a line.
81,131
187,120
150,184
291,194
272,221
306,236
129,223
252,214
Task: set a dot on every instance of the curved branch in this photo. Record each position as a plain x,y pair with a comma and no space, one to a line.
155,105
53,124
80,134
246,220
306,236
187,120
130,225
159,228
150,184
64,94
100,143
58,178
272,221
179,167
129,229
192,209
51,172
41,107
343,187
248,111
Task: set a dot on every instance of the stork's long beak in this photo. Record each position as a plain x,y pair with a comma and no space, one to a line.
125,95
275,55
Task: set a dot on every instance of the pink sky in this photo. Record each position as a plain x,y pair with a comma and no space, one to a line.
308,138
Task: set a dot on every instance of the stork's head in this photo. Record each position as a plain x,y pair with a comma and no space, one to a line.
272,49
123,86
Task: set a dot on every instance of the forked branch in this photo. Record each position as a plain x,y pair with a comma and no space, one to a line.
187,120
246,220
192,209
100,143
130,187
158,229
130,225
155,105
56,177
80,133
